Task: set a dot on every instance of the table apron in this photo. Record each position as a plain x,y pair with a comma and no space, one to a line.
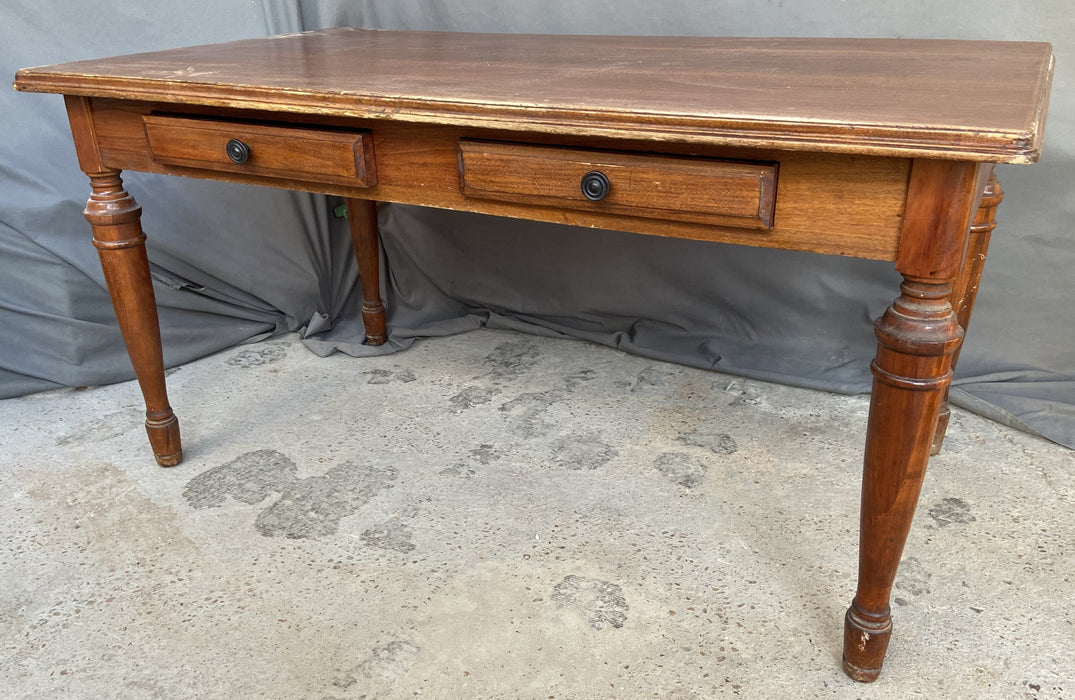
827,203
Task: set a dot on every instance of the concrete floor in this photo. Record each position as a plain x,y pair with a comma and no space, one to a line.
496,515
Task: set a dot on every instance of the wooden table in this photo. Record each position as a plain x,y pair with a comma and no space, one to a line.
878,149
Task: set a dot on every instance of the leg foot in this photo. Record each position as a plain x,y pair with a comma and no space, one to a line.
373,319
865,643
165,440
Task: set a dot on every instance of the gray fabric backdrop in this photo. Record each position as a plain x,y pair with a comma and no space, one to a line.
238,263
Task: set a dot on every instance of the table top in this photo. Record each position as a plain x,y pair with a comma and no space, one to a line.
968,100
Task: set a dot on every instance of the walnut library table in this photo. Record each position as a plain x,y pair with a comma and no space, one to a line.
878,149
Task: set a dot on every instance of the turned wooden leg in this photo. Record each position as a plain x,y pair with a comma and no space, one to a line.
117,234
917,338
362,216
965,289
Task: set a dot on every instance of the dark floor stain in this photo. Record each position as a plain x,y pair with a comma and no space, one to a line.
573,380
744,394
486,453
509,360
650,377
261,356
249,478
601,602
951,510
482,455
528,413
310,507
913,578
102,429
582,452
315,505
459,469
386,663
472,396
681,469
391,534
385,376
718,443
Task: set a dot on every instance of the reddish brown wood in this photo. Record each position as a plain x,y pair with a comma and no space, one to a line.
916,337
655,187
362,217
904,97
825,203
81,116
295,152
843,120
965,290
117,234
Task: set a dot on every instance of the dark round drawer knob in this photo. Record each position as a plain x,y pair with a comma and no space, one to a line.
238,151
595,186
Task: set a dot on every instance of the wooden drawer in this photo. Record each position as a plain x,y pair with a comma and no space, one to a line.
290,152
697,190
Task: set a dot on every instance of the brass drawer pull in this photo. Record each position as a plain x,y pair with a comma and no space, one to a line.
238,151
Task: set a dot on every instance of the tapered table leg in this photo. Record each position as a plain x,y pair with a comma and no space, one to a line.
362,216
917,337
117,234
965,289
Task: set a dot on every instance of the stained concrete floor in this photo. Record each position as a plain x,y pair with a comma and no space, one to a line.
496,515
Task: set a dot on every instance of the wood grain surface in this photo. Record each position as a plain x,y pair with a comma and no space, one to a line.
274,151
872,148
964,100
826,203
652,186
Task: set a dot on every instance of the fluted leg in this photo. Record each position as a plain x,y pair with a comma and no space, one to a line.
965,289
117,234
362,216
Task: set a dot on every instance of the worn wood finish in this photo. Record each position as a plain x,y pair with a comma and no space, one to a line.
965,290
115,219
117,234
654,187
825,203
362,218
342,157
882,97
917,338
880,149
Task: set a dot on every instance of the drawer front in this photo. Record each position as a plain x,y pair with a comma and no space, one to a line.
293,153
697,190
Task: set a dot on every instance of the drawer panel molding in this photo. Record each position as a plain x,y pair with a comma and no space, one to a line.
290,152
696,190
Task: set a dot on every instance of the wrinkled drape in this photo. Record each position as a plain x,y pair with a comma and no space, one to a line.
234,263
